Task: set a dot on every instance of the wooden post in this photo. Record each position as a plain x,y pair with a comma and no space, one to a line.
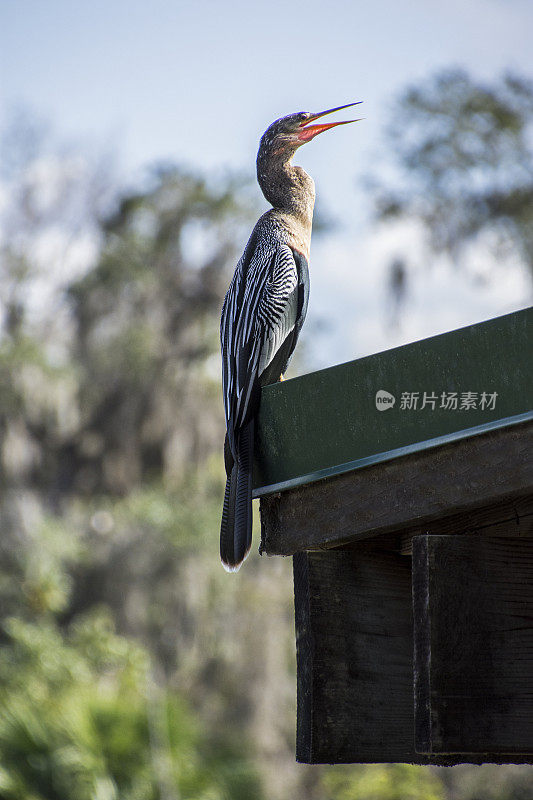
473,648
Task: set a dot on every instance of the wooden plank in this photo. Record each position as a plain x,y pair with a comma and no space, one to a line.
473,644
354,656
450,479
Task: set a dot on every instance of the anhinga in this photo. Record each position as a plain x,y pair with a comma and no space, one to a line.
263,312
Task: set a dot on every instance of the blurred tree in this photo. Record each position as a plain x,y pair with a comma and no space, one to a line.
53,196
463,153
146,325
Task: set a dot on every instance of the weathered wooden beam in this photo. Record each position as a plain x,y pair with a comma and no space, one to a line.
508,518
473,644
454,478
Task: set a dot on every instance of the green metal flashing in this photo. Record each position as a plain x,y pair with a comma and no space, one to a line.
459,384
389,455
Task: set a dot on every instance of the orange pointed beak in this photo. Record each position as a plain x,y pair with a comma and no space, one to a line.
308,131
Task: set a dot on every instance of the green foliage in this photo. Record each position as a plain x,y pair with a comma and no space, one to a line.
489,782
80,720
34,563
383,782
55,689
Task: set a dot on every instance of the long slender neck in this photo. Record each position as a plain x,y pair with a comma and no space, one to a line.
291,191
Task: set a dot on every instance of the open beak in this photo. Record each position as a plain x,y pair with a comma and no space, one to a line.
308,131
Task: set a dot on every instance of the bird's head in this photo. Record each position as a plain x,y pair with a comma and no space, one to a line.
287,134
283,185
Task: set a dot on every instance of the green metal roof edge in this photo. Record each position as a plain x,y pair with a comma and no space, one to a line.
388,455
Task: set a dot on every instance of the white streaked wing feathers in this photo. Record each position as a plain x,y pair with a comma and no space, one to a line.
278,333
259,312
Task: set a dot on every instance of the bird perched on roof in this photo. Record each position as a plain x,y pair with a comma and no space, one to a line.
264,310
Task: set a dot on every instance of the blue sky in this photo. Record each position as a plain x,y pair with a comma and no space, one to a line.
199,82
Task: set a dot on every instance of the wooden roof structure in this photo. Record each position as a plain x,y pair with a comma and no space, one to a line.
402,484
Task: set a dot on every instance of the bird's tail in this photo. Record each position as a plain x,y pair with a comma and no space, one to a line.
236,527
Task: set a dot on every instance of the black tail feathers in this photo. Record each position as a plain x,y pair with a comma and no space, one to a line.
236,527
